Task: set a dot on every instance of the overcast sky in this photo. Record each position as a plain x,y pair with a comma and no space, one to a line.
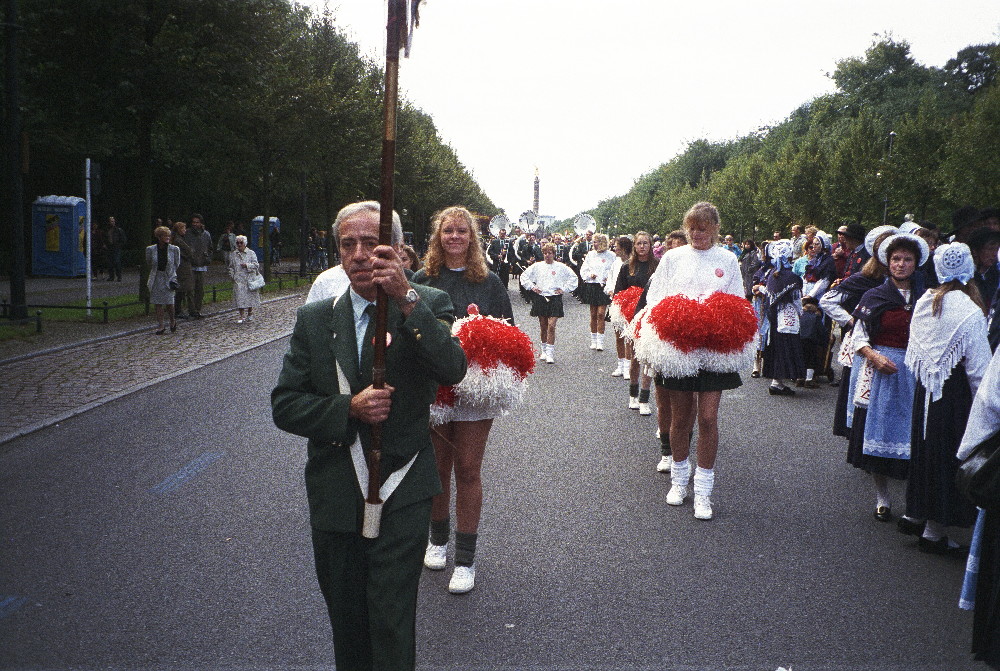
595,94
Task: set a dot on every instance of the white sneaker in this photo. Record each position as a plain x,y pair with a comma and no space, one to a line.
644,409
593,342
599,343
462,580
436,556
548,357
619,370
676,495
664,464
702,507
633,402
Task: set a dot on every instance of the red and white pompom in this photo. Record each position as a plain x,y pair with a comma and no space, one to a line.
622,308
500,358
681,336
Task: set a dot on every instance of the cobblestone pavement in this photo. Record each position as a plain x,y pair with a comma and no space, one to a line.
48,387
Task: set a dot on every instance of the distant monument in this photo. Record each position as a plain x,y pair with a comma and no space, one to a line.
535,208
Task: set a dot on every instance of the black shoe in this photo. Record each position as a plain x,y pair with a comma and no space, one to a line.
161,332
909,527
182,315
883,514
780,391
196,315
941,547
755,374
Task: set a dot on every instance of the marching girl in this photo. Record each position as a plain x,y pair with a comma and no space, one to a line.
594,272
548,281
948,353
636,273
698,332
883,385
759,302
455,264
623,250
664,414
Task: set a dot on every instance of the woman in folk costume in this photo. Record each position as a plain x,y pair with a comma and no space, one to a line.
783,355
594,273
981,589
883,384
455,264
839,304
948,353
633,277
623,250
821,272
758,300
547,281
697,333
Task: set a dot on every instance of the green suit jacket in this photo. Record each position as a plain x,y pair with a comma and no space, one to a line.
308,402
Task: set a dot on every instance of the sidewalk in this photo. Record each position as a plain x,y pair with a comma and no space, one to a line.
73,367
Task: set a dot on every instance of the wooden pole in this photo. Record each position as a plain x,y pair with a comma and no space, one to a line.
395,27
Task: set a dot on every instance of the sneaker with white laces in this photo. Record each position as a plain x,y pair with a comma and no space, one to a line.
676,495
702,507
462,580
644,409
664,464
633,402
436,556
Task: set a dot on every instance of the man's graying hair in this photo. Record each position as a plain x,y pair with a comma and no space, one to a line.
349,211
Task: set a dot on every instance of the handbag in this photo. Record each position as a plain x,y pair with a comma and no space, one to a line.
978,476
255,281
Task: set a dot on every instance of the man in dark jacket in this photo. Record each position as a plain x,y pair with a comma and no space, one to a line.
325,394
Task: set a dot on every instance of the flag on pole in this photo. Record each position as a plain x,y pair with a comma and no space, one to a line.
412,22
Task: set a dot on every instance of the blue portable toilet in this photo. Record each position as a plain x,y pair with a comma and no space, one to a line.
58,236
257,234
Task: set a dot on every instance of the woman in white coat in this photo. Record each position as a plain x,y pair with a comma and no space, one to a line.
163,259
243,266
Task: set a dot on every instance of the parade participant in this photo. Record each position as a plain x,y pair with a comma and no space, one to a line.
547,282
455,265
623,250
985,246
664,413
783,359
821,273
636,273
163,259
948,354
750,263
698,332
982,582
758,300
325,393
839,304
243,266
594,272
857,253
884,386
498,251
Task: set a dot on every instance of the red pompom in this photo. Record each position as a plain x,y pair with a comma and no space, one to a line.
722,323
445,395
488,342
626,301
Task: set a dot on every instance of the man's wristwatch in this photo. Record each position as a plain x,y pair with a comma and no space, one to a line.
410,297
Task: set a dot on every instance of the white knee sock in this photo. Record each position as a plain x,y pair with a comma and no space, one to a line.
704,481
680,473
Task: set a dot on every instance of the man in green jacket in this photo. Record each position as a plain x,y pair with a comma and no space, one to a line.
325,394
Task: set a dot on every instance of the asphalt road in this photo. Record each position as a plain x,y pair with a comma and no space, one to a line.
167,530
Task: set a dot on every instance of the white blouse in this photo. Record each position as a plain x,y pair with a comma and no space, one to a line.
597,264
549,277
695,273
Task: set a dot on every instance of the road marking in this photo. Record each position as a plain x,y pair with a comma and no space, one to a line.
190,470
9,604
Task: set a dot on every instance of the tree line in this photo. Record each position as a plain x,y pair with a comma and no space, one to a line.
896,137
225,108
